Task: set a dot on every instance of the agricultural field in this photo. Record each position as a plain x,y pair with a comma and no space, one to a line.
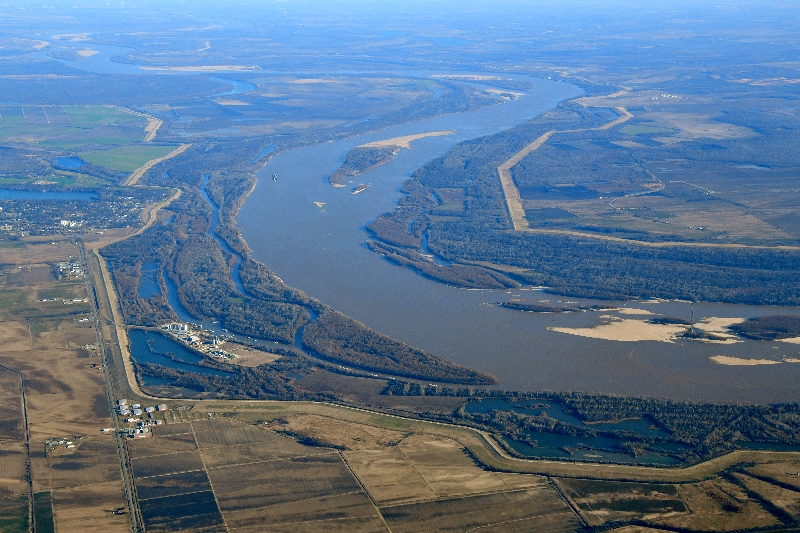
69,127
53,344
427,477
276,476
74,145
126,158
14,489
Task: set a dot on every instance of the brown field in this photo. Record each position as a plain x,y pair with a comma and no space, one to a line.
162,445
275,482
783,472
12,461
88,508
249,356
788,500
172,485
424,467
226,436
719,505
167,464
65,396
94,461
172,429
601,501
273,447
537,510
337,434
388,476
338,507
345,525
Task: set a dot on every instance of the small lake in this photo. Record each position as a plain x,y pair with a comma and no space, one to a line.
153,347
13,194
71,163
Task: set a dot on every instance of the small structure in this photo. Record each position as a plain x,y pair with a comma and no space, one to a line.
161,407
136,406
122,401
137,412
149,409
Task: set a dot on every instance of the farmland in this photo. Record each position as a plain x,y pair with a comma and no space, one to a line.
75,486
262,478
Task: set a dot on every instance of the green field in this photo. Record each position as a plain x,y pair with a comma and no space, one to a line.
69,127
126,158
89,116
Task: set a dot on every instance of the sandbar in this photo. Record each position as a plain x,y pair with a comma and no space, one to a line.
466,77
627,330
405,141
737,361
718,326
230,102
632,311
206,68
793,340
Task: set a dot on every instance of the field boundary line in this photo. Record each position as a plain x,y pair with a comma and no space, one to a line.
170,474
139,172
210,483
455,497
418,473
265,461
364,489
478,528
26,443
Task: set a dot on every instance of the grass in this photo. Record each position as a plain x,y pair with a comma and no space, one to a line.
90,126
11,299
126,158
43,512
92,115
14,519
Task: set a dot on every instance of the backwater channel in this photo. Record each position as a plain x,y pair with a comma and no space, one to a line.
312,235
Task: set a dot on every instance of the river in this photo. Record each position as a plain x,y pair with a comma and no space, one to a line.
312,235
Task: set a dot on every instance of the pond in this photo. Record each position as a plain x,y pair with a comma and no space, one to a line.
153,347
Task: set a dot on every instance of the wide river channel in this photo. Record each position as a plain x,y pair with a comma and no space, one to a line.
312,235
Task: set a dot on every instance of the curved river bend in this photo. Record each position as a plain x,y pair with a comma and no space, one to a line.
312,235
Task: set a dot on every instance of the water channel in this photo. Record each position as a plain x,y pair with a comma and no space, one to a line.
312,235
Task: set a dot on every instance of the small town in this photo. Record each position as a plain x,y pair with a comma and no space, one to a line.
129,412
